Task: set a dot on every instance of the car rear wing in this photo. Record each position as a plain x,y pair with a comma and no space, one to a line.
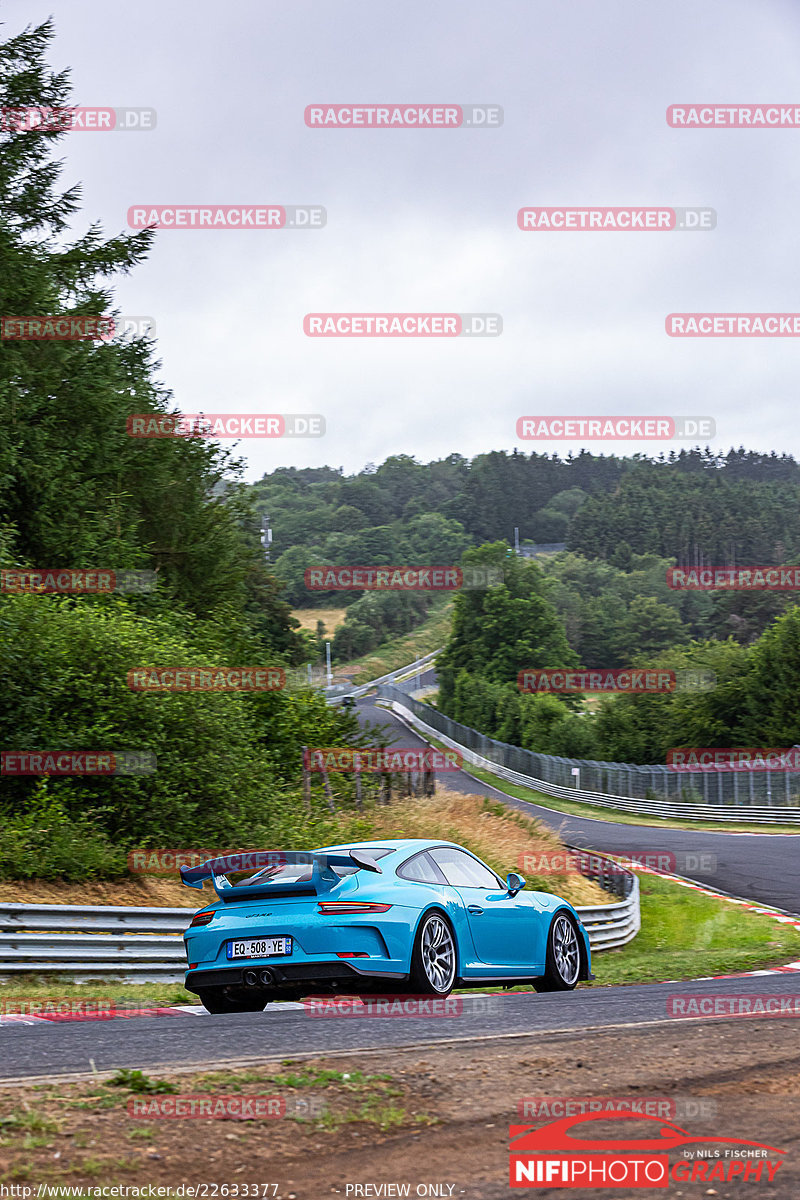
322,879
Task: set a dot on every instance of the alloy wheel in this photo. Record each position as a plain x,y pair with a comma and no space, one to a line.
438,953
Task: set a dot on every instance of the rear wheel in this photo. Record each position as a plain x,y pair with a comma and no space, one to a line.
215,1000
563,963
433,962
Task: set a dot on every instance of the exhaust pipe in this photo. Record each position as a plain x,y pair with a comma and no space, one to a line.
250,978
267,978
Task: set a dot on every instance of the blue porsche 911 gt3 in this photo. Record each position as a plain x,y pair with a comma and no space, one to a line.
396,915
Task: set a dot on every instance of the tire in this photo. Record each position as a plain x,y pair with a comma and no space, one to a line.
434,960
215,1000
563,962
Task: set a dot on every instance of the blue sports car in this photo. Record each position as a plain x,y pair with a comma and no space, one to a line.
396,915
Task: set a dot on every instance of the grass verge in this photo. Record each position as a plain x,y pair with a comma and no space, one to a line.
686,935
397,652
331,618
575,809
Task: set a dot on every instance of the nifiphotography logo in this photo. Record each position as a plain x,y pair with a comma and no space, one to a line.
553,1156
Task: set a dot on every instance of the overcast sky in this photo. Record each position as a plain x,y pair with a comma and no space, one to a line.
425,220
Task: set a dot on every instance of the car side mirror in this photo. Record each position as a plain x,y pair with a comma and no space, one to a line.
515,883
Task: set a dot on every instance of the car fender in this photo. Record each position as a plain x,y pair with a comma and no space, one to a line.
560,906
453,909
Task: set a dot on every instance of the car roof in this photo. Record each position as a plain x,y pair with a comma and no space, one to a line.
399,845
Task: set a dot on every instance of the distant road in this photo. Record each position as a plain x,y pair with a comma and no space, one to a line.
764,867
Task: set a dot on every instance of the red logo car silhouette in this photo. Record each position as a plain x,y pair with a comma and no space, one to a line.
556,1136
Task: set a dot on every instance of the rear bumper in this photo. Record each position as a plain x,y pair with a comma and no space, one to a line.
289,975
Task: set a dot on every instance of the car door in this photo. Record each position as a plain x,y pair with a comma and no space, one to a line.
506,930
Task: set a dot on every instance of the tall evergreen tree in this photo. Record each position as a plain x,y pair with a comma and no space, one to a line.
75,489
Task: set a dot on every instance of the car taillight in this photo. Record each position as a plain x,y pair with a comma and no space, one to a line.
202,918
352,954
332,908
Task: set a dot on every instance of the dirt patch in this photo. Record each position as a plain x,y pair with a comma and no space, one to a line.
418,1117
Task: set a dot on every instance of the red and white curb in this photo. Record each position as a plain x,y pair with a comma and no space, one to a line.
56,1017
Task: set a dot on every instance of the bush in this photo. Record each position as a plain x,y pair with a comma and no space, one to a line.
64,666
46,843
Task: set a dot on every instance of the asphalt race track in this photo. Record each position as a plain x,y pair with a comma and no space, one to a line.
760,867
60,1048
764,867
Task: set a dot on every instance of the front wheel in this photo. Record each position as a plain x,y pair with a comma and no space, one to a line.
214,1000
433,963
563,963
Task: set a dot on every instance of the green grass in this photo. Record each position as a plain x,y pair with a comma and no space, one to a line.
374,1112
685,935
137,1081
133,995
397,652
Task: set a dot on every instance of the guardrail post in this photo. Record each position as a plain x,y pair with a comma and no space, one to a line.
359,801
306,781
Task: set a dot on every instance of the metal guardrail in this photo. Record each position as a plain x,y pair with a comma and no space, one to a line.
363,688
143,945
611,925
429,721
127,945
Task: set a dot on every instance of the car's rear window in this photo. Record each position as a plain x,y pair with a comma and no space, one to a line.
421,869
301,872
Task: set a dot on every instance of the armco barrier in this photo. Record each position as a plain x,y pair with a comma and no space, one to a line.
143,945
497,758
136,945
338,691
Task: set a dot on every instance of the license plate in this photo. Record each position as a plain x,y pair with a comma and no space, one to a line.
260,947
